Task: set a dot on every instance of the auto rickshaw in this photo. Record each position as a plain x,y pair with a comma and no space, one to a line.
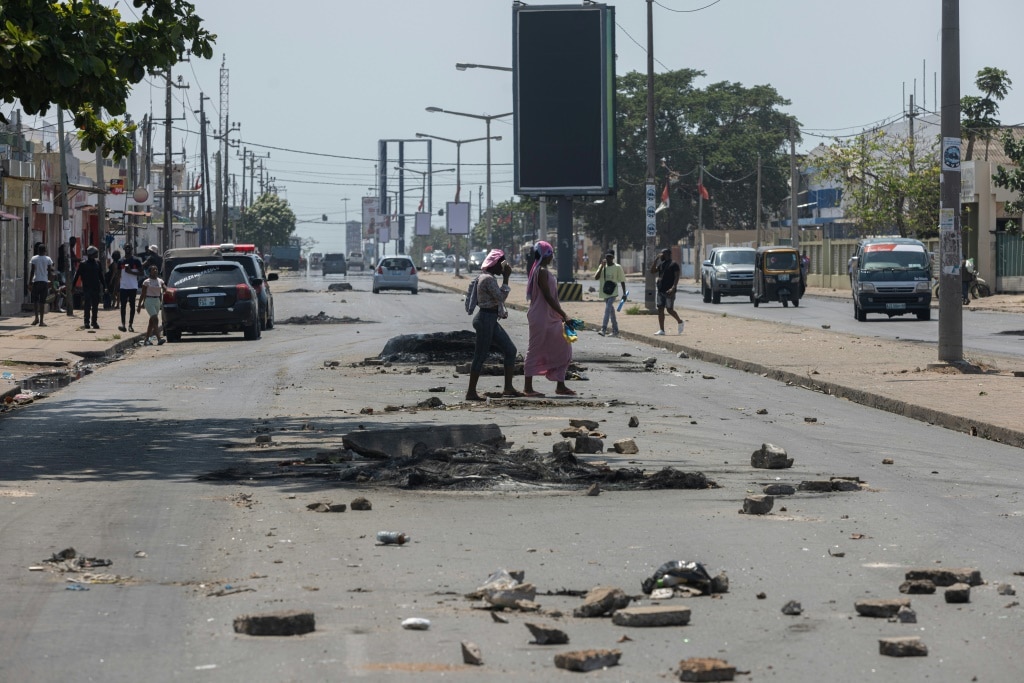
777,276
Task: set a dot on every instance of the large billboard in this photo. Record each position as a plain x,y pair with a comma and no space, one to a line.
563,61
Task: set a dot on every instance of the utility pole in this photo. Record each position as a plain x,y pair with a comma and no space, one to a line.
794,194
757,211
65,214
168,163
950,302
651,193
700,220
204,170
911,116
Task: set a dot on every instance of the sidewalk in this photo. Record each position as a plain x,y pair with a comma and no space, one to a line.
27,351
984,397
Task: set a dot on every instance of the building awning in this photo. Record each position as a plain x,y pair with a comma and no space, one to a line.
8,217
147,214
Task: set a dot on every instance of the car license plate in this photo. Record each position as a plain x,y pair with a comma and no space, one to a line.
895,307
205,301
784,278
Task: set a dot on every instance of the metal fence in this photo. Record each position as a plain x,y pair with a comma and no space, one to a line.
1009,255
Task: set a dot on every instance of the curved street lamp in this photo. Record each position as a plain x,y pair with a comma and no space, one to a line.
462,67
487,118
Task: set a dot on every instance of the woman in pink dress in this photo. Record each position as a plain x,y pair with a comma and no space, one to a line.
548,353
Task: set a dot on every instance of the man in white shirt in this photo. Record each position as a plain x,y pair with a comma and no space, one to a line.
41,267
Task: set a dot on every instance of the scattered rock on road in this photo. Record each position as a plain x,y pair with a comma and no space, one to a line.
361,503
958,593
634,421
288,623
471,653
706,669
917,587
757,505
626,447
587,660
882,608
770,457
792,608
946,577
902,647
601,600
547,635
778,490
652,616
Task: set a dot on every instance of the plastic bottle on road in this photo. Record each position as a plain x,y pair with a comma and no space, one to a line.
392,538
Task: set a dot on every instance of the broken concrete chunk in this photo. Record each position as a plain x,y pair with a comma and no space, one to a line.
883,608
288,623
758,504
792,608
958,593
471,653
509,597
326,507
906,616
547,635
845,485
653,616
562,448
1006,589
594,490
572,432
770,457
816,486
946,577
360,503
720,583
626,446
917,587
588,425
706,669
634,421
778,490
587,660
887,461
588,444
902,647
601,600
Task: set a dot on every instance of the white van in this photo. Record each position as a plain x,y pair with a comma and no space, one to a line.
891,275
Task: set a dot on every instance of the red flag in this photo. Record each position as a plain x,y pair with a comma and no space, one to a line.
703,191
419,209
199,182
664,196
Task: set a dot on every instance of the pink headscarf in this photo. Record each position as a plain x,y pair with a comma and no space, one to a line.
541,250
495,257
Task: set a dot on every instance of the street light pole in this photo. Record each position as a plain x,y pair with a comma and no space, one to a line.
462,67
458,164
487,118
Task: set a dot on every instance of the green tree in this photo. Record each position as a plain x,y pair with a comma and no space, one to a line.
726,125
84,57
1012,178
979,114
268,222
879,190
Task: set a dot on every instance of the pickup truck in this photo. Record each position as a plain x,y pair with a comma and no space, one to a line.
728,271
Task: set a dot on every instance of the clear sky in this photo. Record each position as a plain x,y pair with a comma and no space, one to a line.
332,77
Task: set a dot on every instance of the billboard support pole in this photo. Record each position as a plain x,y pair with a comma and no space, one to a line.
565,252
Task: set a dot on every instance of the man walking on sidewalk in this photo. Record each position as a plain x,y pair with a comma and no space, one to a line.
131,268
41,266
91,275
610,277
668,279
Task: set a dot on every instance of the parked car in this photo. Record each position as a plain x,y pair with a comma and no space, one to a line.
210,296
355,260
396,272
476,259
259,278
334,264
728,271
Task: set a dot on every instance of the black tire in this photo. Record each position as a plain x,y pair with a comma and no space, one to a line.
415,291
705,293
252,332
270,319
785,302
924,315
716,297
376,291
982,291
755,301
796,302
860,315
173,336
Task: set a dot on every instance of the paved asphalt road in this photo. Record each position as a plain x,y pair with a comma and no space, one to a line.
157,453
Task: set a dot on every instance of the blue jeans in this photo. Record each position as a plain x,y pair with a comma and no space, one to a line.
609,312
490,333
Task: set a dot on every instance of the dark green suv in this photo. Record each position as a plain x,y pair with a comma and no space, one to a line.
334,264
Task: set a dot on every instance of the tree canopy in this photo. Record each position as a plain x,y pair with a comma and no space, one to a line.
1012,178
725,126
84,57
979,114
880,191
269,222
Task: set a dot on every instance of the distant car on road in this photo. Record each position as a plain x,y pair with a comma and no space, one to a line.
476,259
210,296
437,260
396,272
728,271
355,260
334,264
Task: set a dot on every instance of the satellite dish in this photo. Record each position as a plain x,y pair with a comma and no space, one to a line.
141,195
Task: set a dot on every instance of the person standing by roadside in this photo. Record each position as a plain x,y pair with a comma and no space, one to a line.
41,266
128,287
90,274
153,258
609,276
668,280
113,278
152,298
548,353
491,300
